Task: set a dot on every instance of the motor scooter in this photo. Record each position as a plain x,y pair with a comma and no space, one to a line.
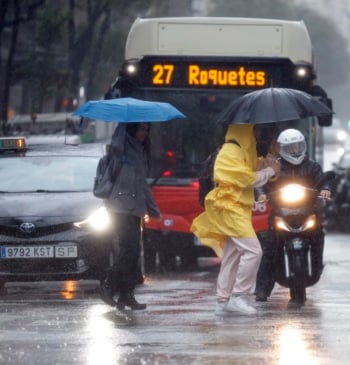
298,235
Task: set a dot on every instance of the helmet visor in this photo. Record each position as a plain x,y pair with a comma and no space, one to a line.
294,149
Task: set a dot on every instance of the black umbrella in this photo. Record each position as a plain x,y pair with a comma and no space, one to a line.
273,105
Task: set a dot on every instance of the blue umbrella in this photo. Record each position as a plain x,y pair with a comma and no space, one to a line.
128,110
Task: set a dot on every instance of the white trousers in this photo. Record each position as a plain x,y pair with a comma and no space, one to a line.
239,266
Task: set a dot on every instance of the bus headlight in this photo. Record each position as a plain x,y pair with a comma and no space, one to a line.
99,220
301,72
131,68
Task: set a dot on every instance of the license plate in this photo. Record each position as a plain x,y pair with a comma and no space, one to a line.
66,251
29,252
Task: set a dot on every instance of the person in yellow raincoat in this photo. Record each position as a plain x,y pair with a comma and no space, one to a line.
226,223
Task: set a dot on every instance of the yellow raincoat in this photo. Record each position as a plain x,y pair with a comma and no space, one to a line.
228,207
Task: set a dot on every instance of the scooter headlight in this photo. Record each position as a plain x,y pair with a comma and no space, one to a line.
311,222
99,220
292,193
280,224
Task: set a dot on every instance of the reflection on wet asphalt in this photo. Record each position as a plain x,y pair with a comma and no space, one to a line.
67,323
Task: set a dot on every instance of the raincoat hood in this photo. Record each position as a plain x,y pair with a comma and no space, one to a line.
244,135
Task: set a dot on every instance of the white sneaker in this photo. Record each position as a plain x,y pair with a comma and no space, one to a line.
221,309
240,304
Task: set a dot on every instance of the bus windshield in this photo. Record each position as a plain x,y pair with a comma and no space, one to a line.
179,146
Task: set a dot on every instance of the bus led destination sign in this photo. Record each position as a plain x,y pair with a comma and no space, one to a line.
206,74
211,72
168,74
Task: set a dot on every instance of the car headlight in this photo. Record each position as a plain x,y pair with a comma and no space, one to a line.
99,220
341,136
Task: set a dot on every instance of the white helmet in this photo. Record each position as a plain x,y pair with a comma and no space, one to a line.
292,146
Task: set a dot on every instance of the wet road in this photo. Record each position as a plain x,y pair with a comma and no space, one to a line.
67,323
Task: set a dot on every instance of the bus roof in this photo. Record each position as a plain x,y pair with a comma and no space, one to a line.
219,36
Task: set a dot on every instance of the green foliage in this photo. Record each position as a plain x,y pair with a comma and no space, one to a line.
68,44
123,15
50,26
52,59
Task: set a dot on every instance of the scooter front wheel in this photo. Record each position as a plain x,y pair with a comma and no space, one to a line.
298,288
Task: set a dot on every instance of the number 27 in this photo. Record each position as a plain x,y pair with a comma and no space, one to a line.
162,74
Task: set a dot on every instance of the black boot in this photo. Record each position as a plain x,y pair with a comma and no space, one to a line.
107,292
261,296
128,300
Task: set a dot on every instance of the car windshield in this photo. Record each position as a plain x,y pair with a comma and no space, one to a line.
47,173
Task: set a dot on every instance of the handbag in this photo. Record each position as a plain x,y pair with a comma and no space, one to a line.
106,172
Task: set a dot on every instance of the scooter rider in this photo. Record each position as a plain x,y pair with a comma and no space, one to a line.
296,166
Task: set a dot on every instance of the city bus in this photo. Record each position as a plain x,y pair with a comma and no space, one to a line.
201,64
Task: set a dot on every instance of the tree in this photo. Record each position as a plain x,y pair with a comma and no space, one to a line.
142,8
107,53
43,63
12,14
66,44
81,38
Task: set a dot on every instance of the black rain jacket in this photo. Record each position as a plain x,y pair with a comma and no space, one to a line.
309,173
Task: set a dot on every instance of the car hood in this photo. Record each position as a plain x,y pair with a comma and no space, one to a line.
55,207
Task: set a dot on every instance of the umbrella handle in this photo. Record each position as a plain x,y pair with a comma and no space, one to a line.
118,139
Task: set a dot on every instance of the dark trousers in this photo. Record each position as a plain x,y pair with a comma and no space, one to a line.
265,279
125,273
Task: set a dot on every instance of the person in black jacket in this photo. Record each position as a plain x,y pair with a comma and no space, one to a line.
129,201
296,165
